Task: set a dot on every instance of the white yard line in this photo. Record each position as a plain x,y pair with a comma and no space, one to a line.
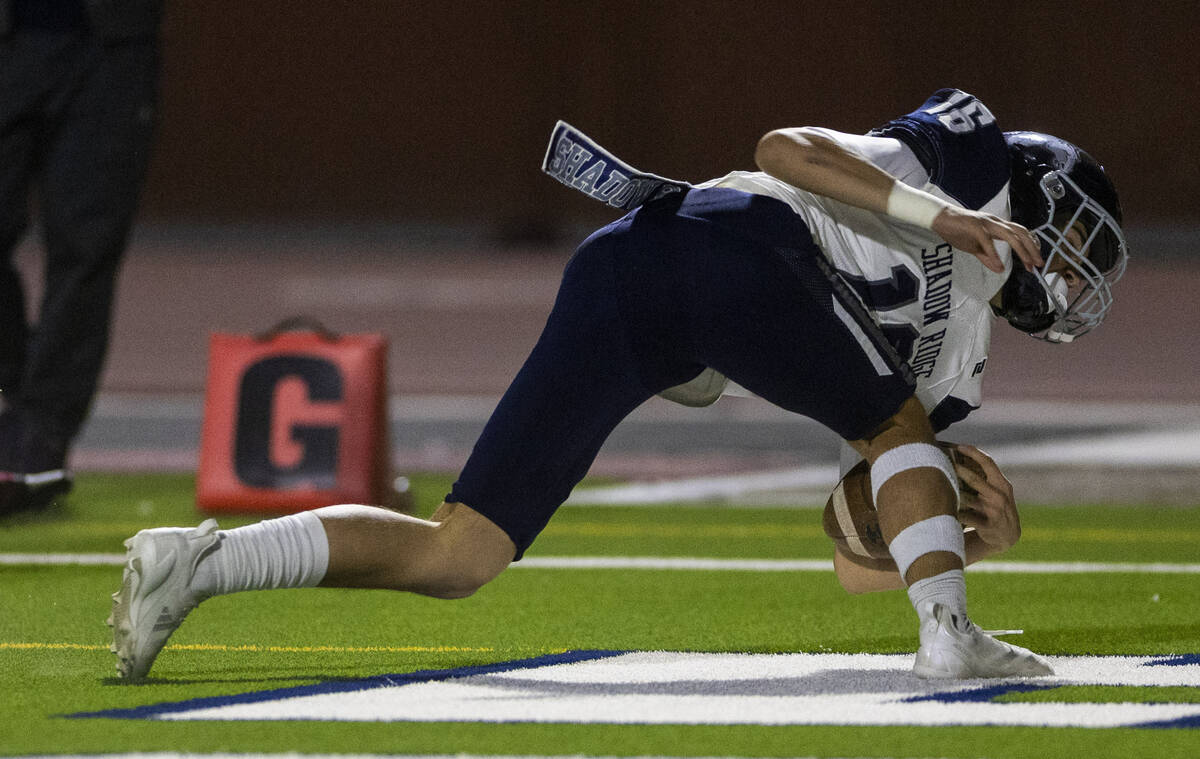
683,563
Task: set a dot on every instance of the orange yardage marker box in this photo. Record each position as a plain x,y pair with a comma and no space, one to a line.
294,420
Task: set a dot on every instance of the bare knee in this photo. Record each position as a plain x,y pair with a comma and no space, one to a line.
456,576
467,552
450,556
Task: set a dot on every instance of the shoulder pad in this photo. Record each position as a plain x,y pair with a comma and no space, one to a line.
956,139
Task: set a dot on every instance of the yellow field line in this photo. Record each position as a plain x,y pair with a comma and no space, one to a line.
330,649
254,648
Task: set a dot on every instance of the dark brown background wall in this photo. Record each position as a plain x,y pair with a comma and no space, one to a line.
395,111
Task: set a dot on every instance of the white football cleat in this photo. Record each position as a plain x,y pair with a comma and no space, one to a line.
156,592
952,647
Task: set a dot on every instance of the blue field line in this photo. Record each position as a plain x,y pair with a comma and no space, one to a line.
154,711
1175,660
983,694
1192,722
988,693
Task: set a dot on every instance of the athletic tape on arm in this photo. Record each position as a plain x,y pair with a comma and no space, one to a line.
913,206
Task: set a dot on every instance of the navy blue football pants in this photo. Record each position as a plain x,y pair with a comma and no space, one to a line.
709,278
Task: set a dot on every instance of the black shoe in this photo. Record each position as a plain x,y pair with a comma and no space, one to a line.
33,472
13,494
24,493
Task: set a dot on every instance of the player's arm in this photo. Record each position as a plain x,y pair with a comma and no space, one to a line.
807,159
991,511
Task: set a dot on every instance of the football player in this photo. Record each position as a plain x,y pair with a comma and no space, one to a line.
852,279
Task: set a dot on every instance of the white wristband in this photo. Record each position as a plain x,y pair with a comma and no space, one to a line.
917,207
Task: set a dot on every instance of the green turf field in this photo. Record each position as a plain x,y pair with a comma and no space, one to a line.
54,659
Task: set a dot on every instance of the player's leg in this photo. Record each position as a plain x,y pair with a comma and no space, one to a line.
169,571
916,495
915,485
576,385
587,372
451,555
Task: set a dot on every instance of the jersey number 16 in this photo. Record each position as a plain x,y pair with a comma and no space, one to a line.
962,114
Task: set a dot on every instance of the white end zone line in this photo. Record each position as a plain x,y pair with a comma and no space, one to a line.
685,563
699,688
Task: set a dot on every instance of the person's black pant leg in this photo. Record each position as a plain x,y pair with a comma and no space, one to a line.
92,177
22,84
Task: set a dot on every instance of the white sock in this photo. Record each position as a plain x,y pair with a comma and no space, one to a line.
288,552
949,589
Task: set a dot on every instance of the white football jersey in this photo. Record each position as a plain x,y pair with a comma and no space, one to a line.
930,300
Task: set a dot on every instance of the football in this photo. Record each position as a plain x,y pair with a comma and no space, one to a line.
850,518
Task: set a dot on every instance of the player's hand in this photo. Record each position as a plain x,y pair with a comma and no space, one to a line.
973,232
991,509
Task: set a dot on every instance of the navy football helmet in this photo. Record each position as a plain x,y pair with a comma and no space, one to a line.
1055,188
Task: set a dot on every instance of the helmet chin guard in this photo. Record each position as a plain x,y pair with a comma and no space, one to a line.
1097,263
